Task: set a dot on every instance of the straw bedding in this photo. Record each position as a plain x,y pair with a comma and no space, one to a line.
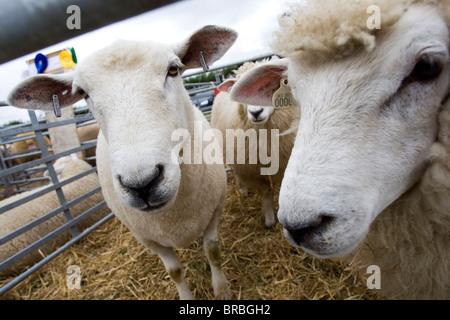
258,262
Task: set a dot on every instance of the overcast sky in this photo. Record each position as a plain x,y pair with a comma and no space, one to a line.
254,20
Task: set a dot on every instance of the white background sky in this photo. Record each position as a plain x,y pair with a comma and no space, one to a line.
254,20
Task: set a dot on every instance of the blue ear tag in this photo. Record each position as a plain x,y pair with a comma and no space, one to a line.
41,63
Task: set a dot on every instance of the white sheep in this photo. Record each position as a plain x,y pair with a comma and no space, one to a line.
19,216
228,114
371,162
135,91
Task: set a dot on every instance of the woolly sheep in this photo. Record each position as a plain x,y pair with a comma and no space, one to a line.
165,204
228,114
19,216
371,162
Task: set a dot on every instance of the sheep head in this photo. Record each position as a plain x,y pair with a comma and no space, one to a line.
256,114
368,122
135,91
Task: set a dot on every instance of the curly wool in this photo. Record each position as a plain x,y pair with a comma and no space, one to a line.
248,66
336,28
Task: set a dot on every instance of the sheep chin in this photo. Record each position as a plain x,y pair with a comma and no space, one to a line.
324,249
158,208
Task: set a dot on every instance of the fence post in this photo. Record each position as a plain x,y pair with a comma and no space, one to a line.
65,137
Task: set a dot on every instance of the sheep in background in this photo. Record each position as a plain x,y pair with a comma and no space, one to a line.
228,114
371,162
165,204
25,145
19,216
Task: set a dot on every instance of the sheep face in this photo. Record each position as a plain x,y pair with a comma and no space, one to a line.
137,112
259,114
135,91
367,125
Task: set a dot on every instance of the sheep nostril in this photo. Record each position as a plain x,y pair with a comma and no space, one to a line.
146,185
305,233
256,113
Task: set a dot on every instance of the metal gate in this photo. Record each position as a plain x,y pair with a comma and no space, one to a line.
15,178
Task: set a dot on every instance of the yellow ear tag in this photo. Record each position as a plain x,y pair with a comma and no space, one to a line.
282,98
65,57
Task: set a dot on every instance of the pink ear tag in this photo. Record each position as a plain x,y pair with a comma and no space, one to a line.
282,98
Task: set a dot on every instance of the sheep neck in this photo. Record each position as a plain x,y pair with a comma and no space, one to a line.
409,240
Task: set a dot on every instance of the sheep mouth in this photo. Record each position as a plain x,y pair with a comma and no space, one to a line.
155,205
326,244
154,208
150,203
258,121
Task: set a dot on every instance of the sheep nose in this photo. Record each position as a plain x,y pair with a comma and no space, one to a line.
256,112
303,233
145,186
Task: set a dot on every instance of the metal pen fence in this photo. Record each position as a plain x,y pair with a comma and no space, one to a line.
18,178
13,177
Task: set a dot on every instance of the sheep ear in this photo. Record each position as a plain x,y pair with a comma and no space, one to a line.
257,86
212,42
226,85
36,92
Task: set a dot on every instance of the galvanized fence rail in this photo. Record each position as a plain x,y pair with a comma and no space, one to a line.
16,176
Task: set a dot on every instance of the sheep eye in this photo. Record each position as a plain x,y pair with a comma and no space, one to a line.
173,71
427,68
